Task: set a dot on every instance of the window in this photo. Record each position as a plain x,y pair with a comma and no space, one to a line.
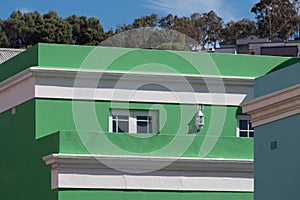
244,128
120,123
133,121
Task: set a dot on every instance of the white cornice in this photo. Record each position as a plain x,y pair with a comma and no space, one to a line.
10,82
95,74
138,162
71,84
181,174
274,106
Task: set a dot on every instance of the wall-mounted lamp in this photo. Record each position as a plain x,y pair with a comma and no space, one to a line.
199,118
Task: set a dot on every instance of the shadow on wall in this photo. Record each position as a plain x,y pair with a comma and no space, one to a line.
192,127
285,64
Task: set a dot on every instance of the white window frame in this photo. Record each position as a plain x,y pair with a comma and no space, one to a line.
132,126
243,117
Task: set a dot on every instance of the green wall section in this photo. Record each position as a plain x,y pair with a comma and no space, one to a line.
62,56
72,142
248,65
23,173
150,195
141,60
177,135
56,115
19,63
277,171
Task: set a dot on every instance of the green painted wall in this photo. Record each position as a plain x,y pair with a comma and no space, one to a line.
24,169
55,115
177,136
149,195
186,146
277,171
141,60
23,173
19,63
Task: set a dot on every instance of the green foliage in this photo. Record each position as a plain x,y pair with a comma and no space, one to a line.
55,29
238,30
204,28
27,29
13,29
146,21
3,38
276,19
86,31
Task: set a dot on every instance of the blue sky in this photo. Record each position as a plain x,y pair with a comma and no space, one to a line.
113,12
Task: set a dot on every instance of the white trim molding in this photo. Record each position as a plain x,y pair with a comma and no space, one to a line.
16,90
182,174
57,83
274,106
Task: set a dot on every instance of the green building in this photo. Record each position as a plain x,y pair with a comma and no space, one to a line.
91,123
275,114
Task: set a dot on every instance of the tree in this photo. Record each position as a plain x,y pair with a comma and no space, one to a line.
3,38
146,21
238,30
184,25
32,29
55,29
23,30
167,22
276,19
86,31
13,29
122,28
109,33
199,29
213,26
207,28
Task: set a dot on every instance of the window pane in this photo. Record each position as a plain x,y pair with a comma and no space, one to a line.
250,126
123,117
123,127
114,126
144,118
243,124
243,134
142,127
251,134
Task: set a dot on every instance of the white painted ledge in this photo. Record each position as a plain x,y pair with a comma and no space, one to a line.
183,174
274,106
123,86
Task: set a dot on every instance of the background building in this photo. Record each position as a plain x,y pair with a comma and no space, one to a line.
6,54
262,46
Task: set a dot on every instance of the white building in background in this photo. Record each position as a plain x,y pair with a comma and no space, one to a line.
262,46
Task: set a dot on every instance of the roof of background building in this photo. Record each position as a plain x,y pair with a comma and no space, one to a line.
141,60
6,54
252,39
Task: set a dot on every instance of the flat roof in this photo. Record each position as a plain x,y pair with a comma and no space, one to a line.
141,60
